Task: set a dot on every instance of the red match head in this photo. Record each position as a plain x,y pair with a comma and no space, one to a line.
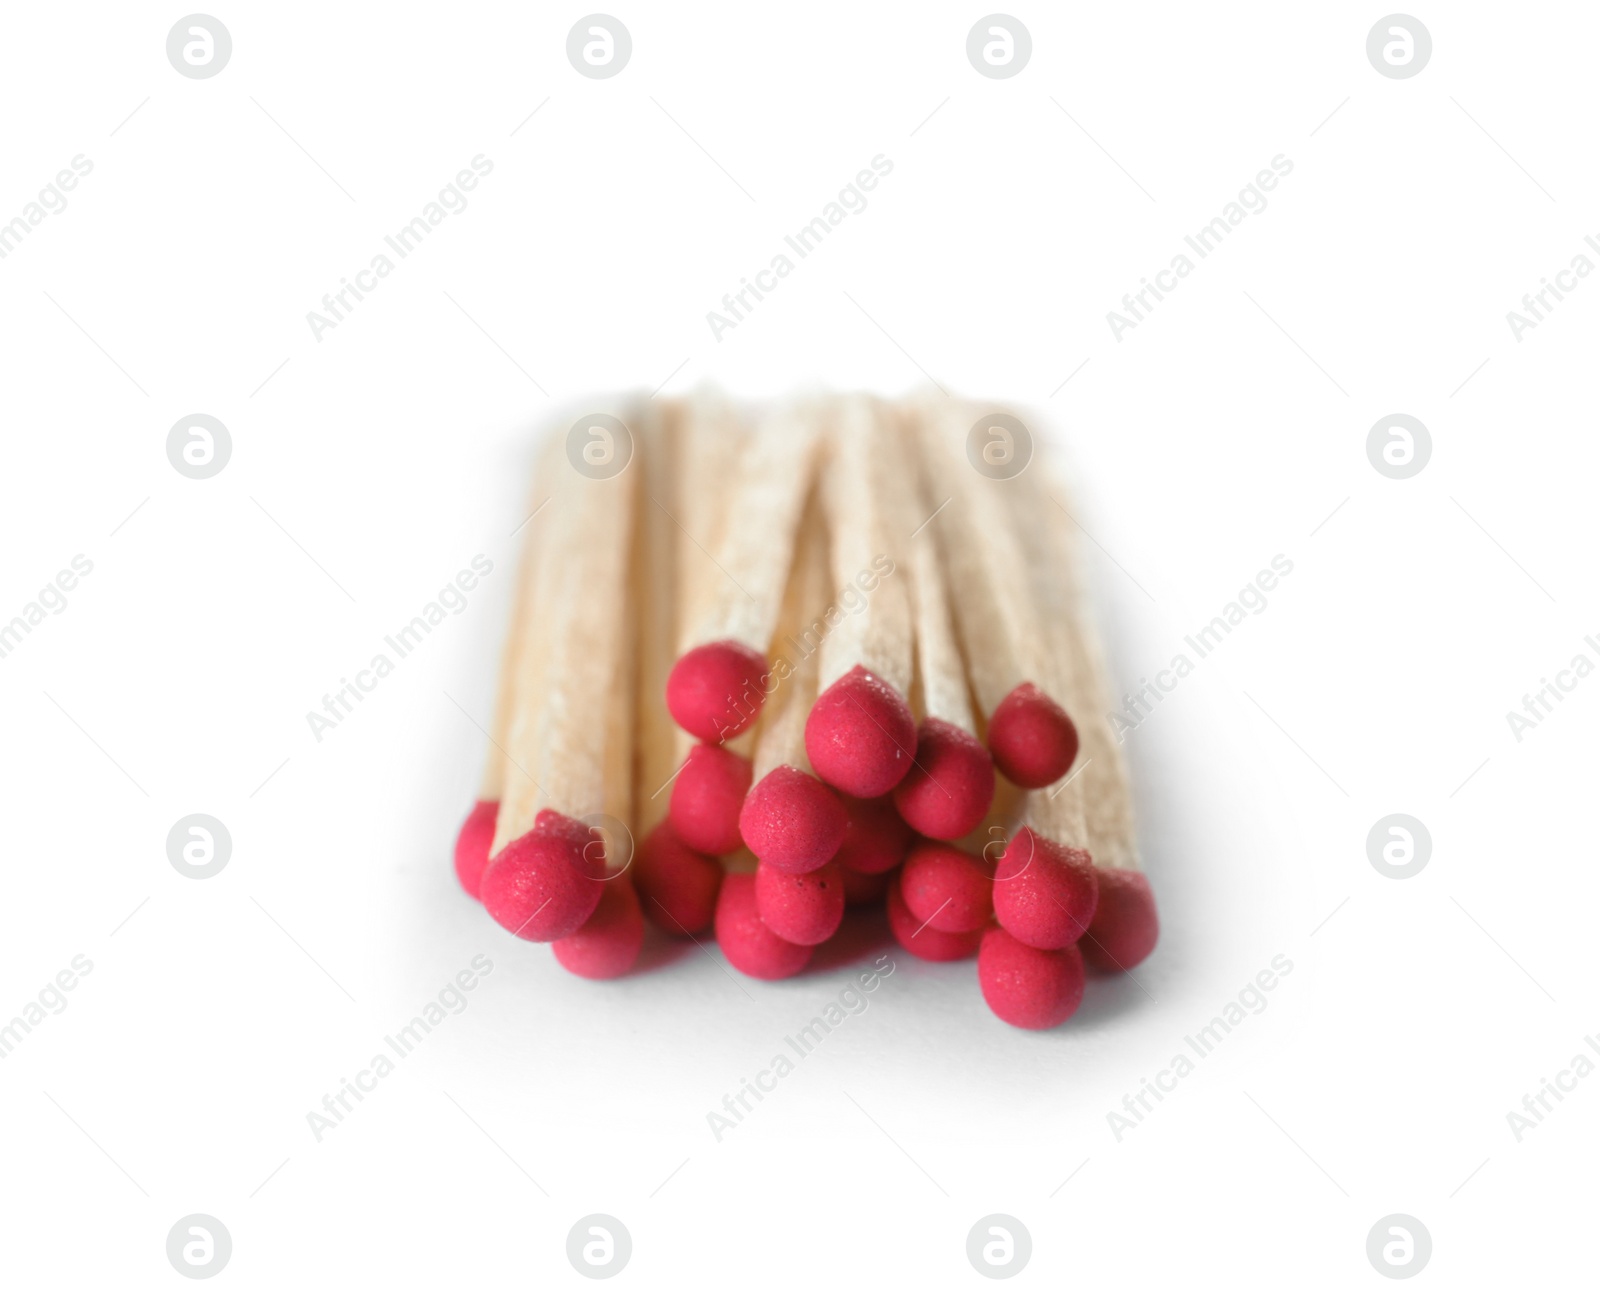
608,943
950,889
677,886
707,795
950,786
472,844
746,941
802,909
1032,988
715,690
546,883
1032,738
791,821
876,837
860,735
1125,927
1044,893
921,939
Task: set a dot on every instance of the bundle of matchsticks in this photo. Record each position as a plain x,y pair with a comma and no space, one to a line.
767,665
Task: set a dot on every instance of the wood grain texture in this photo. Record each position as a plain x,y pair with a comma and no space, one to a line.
991,594
877,636
571,655
796,657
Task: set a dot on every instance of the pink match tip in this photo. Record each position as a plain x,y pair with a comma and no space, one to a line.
947,887
1032,739
1044,893
1125,926
950,785
1031,988
860,735
791,821
707,795
607,944
922,940
544,885
746,941
715,690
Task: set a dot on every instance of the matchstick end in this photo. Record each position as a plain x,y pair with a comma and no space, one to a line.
746,941
706,798
791,821
607,944
1125,926
922,940
543,885
951,784
860,735
1032,739
1031,988
803,909
948,888
1044,893
715,690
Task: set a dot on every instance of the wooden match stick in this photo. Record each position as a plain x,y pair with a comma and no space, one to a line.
677,885
790,820
1055,836
658,597
1014,615
477,832
860,734
711,436
1047,890
1125,927
715,689
709,781
1030,734
1046,887
608,942
950,785
573,654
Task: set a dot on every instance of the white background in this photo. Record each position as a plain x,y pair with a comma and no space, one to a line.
371,465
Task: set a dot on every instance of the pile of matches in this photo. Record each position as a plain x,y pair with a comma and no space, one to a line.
823,655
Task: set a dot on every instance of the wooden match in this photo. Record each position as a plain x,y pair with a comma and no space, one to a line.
716,689
1030,734
950,785
860,734
805,641
544,880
